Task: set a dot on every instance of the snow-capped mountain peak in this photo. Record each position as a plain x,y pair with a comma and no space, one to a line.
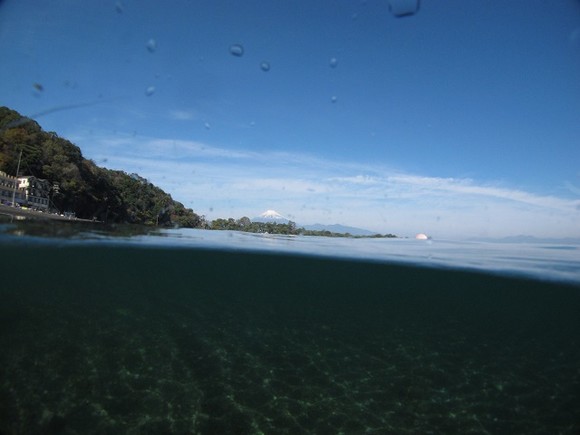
272,214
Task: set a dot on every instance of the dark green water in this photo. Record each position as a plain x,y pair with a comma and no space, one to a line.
118,339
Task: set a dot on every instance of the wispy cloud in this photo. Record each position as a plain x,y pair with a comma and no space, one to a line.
183,115
221,182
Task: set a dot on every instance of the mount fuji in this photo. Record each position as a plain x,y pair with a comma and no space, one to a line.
275,217
271,216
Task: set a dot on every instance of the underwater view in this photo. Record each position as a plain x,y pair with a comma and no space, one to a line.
210,332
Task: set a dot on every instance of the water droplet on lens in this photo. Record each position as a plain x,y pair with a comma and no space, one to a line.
333,62
38,87
207,125
403,8
237,50
151,45
265,66
119,7
334,99
150,91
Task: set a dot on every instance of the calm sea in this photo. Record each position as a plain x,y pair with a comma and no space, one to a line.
188,331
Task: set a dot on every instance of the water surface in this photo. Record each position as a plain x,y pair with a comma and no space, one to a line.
207,332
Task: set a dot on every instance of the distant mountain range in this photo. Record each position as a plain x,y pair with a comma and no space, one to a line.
274,216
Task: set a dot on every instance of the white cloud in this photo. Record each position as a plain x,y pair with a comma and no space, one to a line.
183,115
467,187
220,182
359,179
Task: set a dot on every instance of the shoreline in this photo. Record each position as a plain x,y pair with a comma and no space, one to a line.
23,214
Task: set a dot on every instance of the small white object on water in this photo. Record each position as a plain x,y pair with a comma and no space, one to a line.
422,236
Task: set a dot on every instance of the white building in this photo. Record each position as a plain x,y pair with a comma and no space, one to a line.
7,192
36,191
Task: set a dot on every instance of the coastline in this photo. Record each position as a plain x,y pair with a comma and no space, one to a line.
23,214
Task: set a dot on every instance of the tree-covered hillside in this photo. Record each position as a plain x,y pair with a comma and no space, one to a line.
83,187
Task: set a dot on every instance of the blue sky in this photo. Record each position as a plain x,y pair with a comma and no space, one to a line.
460,120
